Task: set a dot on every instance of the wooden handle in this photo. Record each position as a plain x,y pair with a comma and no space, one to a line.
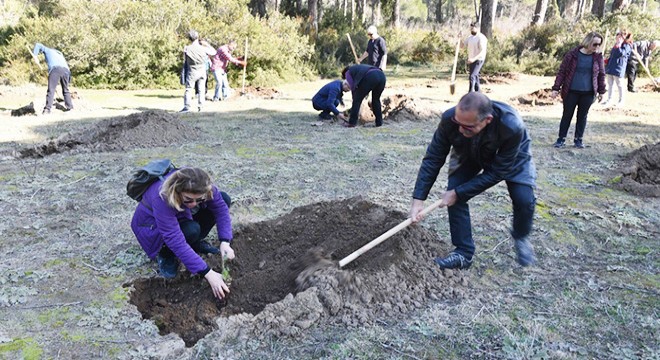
453,71
345,261
639,59
352,48
245,67
36,60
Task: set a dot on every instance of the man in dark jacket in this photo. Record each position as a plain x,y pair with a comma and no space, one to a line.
362,80
644,49
329,97
489,143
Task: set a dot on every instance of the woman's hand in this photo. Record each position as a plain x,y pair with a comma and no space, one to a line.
217,284
226,251
554,94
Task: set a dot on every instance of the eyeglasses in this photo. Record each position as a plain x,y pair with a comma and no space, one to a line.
198,200
596,44
466,127
369,34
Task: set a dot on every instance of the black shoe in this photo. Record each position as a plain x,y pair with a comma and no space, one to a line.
167,267
578,143
206,248
632,90
323,116
454,261
560,143
184,110
525,252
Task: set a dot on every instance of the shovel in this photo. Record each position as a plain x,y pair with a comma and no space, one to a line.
404,224
452,85
245,67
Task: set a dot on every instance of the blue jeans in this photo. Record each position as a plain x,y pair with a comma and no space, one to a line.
221,84
475,69
581,100
460,227
197,229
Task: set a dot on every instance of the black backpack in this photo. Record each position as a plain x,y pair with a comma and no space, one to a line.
146,175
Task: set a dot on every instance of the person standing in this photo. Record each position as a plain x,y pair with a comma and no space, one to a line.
376,53
196,57
644,49
489,143
615,69
477,45
219,64
58,72
581,78
173,218
363,79
329,97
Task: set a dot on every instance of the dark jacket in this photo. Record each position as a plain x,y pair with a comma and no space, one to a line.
376,50
567,70
156,223
501,149
328,96
643,50
618,60
356,74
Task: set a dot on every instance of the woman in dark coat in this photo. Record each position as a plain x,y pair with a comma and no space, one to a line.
581,78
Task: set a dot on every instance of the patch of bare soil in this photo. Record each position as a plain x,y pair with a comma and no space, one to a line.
399,107
499,78
286,276
538,98
641,176
25,110
153,128
649,88
260,92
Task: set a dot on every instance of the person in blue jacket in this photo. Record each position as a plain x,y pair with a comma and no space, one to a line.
489,143
329,97
173,218
615,70
58,72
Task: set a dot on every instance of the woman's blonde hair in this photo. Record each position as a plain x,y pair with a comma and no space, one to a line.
189,180
586,43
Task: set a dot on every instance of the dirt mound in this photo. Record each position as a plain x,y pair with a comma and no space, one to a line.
260,92
649,88
285,277
25,110
538,98
499,78
151,128
399,108
641,176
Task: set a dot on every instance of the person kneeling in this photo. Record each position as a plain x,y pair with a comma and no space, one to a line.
329,97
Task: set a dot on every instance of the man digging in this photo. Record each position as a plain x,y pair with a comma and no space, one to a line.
489,144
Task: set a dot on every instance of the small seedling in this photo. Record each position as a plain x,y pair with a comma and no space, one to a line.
225,272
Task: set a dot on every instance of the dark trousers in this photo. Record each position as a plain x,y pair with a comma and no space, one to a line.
631,72
325,112
460,226
62,76
581,100
373,82
197,229
475,69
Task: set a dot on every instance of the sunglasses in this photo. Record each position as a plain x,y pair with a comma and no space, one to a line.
198,200
596,44
466,127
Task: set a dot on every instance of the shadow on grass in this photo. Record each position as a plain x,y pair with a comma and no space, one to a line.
159,96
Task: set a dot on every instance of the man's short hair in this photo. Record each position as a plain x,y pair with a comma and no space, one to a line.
193,35
476,101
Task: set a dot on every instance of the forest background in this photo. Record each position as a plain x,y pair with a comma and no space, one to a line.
128,44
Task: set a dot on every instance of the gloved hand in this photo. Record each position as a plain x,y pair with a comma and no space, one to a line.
226,251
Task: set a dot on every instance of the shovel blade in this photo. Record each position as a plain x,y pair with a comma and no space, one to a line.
452,88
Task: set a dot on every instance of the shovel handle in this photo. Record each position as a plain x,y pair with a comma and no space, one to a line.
404,224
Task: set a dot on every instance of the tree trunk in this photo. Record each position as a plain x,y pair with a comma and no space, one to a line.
375,12
438,13
298,6
312,7
598,8
539,12
487,18
258,7
360,9
570,9
319,12
396,16
619,5
580,9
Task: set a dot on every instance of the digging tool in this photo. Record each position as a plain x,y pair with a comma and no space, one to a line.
352,48
404,224
452,84
36,60
639,59
245,67
604,44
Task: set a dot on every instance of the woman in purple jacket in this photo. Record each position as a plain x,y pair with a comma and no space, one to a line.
174,217
581,77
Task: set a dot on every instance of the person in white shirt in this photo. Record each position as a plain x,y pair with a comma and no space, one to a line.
476,47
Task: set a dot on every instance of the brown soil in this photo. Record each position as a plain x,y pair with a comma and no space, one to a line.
25,110
642,173
259,92
151,128
538,98
286,278
649,88
398,108
500,78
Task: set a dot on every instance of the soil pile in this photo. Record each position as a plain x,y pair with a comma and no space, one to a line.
642,174
538,98
25,110
285,277
261,92
499,78
151,128
399,108
649,87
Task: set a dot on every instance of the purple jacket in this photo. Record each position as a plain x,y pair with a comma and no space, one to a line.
567,70
160,225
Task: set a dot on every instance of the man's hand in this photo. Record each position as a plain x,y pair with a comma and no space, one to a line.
415,209
449,198
217,284
341,116
226,251
554,94
600,97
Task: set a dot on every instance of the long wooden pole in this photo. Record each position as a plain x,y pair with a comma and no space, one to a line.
36,60
639,58
345,261
245,67
352,48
